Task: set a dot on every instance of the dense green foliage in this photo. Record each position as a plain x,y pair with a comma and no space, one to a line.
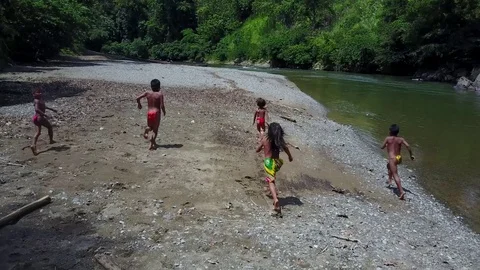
389,36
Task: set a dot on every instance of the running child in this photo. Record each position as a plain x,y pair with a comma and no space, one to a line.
40,119
260,115
394,143
272,143
156,103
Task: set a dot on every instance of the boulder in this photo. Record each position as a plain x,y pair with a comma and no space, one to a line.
474,74
463,83
476,83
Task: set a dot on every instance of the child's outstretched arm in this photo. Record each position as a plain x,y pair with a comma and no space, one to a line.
260,147
287,151
384,144
51,109
139,98
163,105
408,148
255,117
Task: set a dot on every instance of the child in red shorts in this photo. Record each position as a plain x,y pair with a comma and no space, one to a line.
156,103
261,115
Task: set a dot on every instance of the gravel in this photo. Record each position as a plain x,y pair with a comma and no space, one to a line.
421,234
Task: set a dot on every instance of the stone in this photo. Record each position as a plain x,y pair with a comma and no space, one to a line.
463,83
476,83
475,73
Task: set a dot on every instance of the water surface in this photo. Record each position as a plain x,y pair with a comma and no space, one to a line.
442,125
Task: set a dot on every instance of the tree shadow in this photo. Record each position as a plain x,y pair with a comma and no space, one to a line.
20,92
169,146
40,242
41,67
61,148
88,58
290,200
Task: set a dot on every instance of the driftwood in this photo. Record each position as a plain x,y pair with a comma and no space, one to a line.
346,239
15,216
106,262
288,119
338,190
13,164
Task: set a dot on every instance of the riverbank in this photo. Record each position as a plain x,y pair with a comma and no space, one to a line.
198,200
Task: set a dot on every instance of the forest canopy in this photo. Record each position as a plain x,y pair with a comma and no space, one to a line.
384,36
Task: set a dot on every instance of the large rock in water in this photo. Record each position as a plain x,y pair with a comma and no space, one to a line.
476,83
463,83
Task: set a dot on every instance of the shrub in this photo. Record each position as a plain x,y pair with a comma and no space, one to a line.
135,49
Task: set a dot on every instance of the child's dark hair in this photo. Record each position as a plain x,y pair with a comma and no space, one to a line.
394,130
261,103
275,136
155,84
36,91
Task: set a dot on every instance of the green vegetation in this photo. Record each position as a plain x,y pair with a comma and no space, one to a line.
387,36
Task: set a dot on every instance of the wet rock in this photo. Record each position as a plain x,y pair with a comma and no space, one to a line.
463,83
476,83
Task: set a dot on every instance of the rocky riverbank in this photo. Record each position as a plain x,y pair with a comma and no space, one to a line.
197,202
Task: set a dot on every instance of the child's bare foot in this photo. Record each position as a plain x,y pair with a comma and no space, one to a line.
52,141
277,210
276,207
34,150
402,196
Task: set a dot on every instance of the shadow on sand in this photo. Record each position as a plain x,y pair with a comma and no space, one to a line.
20,92
396,192
60,148
39,241
290,200
170,146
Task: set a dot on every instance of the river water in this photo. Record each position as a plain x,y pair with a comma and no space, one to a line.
442,126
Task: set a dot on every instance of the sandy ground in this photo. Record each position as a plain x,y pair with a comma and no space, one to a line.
197,202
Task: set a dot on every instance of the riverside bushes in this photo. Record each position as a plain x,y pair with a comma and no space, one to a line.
388,36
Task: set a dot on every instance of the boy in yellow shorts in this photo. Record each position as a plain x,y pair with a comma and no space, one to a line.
393,143
272,143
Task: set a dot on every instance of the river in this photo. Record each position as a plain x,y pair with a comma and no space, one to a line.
442,126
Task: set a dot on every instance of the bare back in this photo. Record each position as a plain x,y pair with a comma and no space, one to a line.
155,100
267,149
394,146
261,113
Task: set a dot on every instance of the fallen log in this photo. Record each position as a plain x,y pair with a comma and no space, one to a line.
288,119
15,216
106,262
